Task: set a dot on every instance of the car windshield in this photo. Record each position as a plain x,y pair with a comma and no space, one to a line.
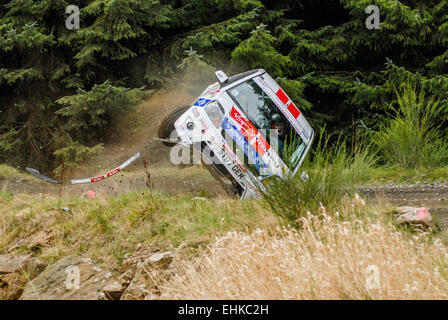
262,112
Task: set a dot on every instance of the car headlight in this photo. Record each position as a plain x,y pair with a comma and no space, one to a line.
215,112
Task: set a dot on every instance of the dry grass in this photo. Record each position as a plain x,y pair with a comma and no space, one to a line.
10,173
327,259
106,228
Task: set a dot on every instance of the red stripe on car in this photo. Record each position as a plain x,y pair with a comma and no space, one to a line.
263,142
282,96
294,111
237,116
249,131
259,149
247,128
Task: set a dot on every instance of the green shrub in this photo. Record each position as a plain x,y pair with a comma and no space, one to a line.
333,173
412,135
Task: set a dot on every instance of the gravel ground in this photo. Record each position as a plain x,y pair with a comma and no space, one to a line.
432,196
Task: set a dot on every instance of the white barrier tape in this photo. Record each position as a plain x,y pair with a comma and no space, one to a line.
110,173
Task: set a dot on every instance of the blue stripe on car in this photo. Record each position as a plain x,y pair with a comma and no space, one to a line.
242,142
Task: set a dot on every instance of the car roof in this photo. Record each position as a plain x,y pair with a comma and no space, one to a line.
237,77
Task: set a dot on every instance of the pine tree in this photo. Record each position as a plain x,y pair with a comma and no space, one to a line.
62,90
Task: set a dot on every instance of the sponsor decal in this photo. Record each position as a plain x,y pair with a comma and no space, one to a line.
214,92
196,112
185,132
250,132
247,128
237,116
243,143
213,141
201,102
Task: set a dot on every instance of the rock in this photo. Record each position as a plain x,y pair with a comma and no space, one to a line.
126,278
143,271
415,216
162,259
33,242
138,287
114,290
102,296
10,263
15,271
70,278
35,267
11,286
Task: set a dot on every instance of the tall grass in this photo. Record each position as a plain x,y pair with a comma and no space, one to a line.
363,258
10,173
101,227
333,173
411,137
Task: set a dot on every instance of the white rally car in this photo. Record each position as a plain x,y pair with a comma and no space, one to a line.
247,129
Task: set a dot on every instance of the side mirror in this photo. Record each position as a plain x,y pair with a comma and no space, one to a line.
222,77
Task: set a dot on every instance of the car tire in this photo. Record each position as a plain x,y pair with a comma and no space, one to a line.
166,126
